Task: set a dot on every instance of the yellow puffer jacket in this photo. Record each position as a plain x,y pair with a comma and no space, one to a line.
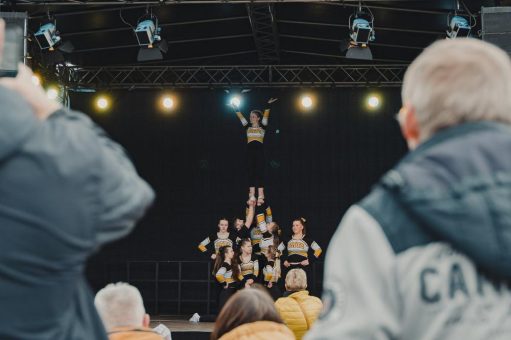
299,311
260,330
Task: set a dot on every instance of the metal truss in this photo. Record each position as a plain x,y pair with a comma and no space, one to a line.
264,30
153,2
137,77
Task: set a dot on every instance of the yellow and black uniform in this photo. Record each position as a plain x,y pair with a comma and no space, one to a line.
213,243
260,234
229,283
249,269
255,149
256,235
271,273
298,250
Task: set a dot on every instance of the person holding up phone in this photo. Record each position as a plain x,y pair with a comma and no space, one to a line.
66,189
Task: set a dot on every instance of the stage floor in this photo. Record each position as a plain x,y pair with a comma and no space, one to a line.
181,324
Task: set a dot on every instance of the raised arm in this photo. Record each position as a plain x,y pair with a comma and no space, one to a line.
266,114
242,118
17,122
206,247
119,197
251,214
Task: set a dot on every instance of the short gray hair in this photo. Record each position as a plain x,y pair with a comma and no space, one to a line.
457,81
296,280
120,304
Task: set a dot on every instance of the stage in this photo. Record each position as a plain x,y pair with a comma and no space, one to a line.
182,329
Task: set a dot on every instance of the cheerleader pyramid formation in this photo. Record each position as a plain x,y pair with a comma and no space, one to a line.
254,250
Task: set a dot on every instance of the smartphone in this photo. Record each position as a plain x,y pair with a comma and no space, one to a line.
12,53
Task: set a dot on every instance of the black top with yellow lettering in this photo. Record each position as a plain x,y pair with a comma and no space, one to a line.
213,243
255,134
298,250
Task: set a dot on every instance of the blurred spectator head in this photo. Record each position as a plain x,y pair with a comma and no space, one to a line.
246,306
296,280
121,305
453,82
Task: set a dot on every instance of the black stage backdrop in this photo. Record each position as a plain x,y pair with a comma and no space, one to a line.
318,162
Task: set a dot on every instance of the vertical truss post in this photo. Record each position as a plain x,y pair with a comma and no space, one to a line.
265,32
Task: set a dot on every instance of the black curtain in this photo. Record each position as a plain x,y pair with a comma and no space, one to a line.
319,162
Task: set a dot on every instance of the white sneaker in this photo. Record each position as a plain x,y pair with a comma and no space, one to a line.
195,318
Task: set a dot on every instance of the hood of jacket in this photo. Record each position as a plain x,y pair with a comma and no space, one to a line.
457,186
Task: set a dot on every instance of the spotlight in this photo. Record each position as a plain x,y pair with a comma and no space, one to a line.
52,93
361,31
306,102
150,41
102,103
235,101
47,36
167,103
373,102
361,26
147,32
459,27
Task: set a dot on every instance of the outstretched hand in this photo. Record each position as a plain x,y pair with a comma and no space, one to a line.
33,94
272,100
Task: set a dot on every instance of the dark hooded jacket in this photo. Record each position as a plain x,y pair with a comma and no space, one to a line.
427,254
65,189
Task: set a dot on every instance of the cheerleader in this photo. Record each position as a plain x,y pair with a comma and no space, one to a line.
227,273
272,272
256,235
270,233
211,245
243,227
255,150
300,250
249,264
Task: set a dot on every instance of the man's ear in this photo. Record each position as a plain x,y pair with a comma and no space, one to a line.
409,126
146,321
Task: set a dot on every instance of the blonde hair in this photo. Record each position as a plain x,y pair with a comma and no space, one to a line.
457,81
120,304
296,280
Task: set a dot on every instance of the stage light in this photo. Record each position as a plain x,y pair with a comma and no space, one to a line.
102,103
306,102
235,101
36,79
459,27
149,38
52,92
373,102
147,32
361,25
47,36
168,103
361,31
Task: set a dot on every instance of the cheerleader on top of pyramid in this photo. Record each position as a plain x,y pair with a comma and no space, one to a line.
255,149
